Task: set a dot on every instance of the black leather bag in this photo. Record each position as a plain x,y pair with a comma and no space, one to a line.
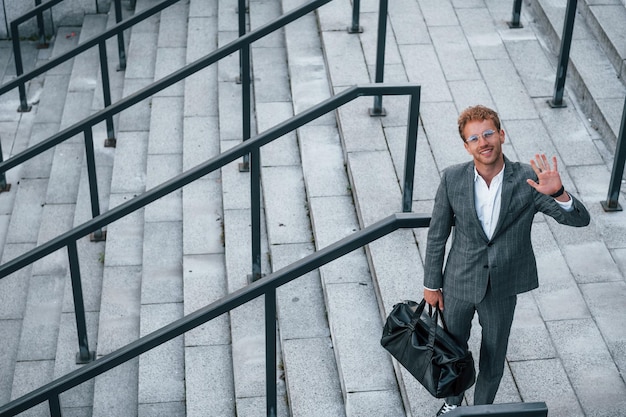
427,351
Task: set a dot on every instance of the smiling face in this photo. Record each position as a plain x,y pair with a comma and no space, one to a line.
486,149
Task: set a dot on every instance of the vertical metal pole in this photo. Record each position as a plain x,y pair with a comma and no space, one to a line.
378,110
42,29
120,36
98,235
255,212
611,203
245,102
355,28
3,178
244,77
106,93
566,42
517,11
55,406
84,355
270,351
411,149
19,67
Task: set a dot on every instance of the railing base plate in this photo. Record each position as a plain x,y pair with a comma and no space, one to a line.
110,143
98,236
554,105
82,361
609,206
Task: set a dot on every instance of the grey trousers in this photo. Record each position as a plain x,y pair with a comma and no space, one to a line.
495,316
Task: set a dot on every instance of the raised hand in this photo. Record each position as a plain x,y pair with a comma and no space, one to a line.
549,178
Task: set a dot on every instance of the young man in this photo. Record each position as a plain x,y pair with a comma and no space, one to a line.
491,203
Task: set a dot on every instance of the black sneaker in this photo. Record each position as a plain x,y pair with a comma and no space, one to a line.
445,408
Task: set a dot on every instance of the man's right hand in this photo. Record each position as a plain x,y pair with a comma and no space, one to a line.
434,298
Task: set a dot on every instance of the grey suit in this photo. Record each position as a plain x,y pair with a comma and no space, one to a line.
483,274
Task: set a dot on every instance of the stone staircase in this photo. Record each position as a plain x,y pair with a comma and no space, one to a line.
192,247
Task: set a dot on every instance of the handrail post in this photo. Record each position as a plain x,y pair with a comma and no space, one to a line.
110,141
19,68
98,235
3,175
54,405
566,42
255,212
244,78
378,110
411,149
355,28
515,19
611,203
42,29
84,355
120,36
270,352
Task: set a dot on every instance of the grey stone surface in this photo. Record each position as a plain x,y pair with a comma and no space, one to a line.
166,126
82,395
286,211
301,309
355,325
161,370
38,339
201,141
168,60
129,171
312,394
546,380
125,236
119,311
322,162
203,223
209,381
65,174
14,288
115,392
161,168
8,352
204,282
162,263
588,364
141,58
528,325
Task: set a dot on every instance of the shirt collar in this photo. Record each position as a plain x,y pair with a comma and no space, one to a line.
497,178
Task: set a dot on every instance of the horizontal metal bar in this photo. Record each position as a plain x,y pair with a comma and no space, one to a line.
534,409
35,11
217,308
201,170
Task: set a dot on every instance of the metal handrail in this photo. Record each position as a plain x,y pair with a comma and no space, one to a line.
264,287
21,79
108,112
251,146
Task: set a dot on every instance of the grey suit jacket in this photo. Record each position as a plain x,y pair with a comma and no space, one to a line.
507,259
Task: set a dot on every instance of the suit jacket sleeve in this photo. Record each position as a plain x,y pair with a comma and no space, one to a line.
439,230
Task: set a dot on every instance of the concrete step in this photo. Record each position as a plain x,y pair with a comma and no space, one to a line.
606,22
596,59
